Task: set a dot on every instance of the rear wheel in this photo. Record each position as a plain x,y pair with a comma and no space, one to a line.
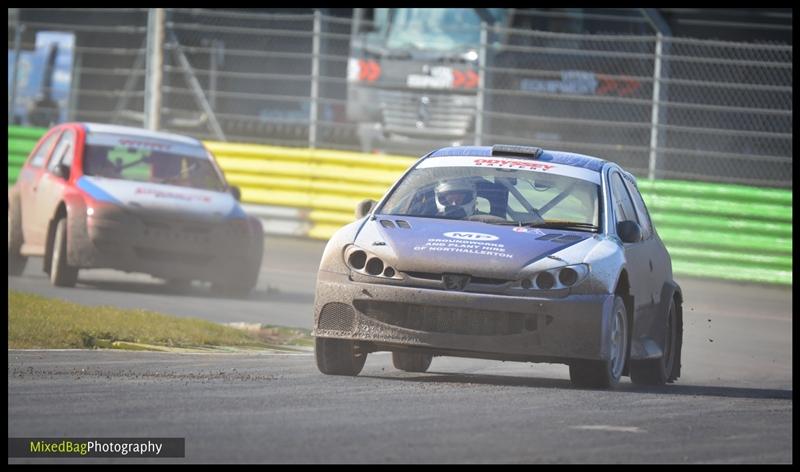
605,373
16,261
411,361
338,356
662,370
61,273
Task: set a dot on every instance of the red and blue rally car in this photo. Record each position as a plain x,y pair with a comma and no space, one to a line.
103,196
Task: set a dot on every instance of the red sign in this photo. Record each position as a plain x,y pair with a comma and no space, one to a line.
471,80
458,78
368,70
468,79
622,86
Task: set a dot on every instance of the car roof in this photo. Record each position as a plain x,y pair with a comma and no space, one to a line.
138,132
556,157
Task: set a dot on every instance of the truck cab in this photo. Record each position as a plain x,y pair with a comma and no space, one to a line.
413,76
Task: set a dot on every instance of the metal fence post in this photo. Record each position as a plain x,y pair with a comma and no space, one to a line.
479,105
75,86
155,64
312,119
12,102
651,169
215,60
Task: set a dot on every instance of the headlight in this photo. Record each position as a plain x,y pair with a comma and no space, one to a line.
365,263
544,280
558,278
374,266
357,259
102,209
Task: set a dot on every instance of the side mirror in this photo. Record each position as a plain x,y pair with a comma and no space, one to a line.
62,170
629,231
236,192
364,207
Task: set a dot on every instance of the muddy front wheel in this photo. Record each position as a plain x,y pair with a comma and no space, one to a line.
338,357
605,373
61,273
16,261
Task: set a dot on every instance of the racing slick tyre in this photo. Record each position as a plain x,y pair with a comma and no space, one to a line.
664,369
62,274
605,373
338,357
16,261
411,362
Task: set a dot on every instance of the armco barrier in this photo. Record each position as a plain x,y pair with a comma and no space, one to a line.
711,230
328,183
724,231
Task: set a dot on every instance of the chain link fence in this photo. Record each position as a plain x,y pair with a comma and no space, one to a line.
543,87
727,112
719,110
87,65
663,107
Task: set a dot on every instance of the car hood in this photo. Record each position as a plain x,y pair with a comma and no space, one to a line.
454,246
159,199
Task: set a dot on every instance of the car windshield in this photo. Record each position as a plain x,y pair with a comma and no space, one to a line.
440,29
497,196
181,166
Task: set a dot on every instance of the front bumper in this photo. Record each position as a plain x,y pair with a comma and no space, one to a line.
166,248
389,317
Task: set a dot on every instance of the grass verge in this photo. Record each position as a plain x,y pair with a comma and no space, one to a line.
36,322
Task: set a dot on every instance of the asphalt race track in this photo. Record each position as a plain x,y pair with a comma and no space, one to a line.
732,404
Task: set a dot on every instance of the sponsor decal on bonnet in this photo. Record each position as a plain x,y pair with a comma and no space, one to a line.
468,235
466,242
165,194
160,196
523,229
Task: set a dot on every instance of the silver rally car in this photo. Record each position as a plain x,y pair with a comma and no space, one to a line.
508,253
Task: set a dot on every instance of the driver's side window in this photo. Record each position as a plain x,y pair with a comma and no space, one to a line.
63,153
623,206
423,203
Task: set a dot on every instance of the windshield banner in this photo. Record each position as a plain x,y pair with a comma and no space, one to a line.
510,163
138,142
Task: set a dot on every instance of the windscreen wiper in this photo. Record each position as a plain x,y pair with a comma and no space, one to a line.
564,225
553,224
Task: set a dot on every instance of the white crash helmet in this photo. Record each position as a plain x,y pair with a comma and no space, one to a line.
452,195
